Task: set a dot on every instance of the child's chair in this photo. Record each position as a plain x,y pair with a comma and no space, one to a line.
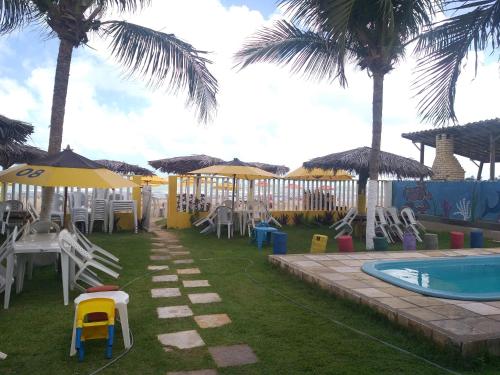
95,320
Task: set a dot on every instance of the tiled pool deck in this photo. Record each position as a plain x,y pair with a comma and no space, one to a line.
470,326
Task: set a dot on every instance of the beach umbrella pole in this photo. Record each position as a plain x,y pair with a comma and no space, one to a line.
232,205
65,205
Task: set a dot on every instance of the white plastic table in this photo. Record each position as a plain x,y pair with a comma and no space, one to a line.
121,301
29,245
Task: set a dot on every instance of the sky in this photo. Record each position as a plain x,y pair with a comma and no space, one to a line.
265,113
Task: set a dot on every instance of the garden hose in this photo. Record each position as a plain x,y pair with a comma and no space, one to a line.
337,322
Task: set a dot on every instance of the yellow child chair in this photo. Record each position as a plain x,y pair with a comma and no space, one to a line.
95,320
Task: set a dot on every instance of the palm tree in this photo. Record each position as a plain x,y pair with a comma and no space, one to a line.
323,36
474,25
159,58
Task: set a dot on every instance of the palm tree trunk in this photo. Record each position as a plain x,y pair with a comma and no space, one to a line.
378,96
57,116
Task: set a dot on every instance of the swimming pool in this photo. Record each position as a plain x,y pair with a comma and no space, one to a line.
471,278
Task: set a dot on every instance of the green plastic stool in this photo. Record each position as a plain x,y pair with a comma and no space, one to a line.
380,243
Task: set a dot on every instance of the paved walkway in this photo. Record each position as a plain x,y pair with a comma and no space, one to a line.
175,265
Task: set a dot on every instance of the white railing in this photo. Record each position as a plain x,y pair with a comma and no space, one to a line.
278,194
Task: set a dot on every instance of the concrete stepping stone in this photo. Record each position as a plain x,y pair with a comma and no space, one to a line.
159,257
175,246
165,278
160,252
181,340
157,268
204,298
234,355
165,292
195,283
183,261
170,312
188,271
212,321
179,253
195,372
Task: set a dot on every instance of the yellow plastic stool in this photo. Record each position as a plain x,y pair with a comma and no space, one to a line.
318,244
95,319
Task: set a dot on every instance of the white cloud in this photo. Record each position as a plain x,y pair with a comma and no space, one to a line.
265,114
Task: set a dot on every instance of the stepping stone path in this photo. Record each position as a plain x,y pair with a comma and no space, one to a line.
157,268
235,355
165,292
182,340
204,298
167,246
165,278
212,321
174,312
188,271
183,261
195,283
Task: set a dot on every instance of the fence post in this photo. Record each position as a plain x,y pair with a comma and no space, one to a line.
136,195
172,198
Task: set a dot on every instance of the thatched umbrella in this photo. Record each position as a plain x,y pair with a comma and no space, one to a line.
124,168
357,161
13,153
14,131
184,164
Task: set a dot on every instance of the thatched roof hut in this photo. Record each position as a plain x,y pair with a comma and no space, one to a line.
14,153
184,164
357,161
124,168
14,130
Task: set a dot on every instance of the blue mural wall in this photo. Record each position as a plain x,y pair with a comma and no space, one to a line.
461,200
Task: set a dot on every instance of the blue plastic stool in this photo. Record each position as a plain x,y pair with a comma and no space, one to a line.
476,239
279,242
263,233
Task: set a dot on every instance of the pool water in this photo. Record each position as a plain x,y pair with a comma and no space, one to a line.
474,278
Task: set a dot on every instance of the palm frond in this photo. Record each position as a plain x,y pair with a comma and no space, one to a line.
14,131
309,53
443,50
122,5
164,59
15,14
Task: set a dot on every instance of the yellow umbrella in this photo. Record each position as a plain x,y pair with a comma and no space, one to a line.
153,180
235,169
318,174
65,169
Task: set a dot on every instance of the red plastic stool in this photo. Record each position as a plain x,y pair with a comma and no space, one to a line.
345,244
456,240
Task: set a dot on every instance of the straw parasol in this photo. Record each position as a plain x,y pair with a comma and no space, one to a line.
14,153
318,174
356,161
183,164
124,168
14,131
235,169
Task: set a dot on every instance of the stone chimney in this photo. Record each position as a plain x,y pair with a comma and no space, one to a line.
446,166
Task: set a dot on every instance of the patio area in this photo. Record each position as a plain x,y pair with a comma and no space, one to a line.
471,327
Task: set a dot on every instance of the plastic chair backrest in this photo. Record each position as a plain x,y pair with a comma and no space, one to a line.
408,216
228,203
14,205
380,214
350,215
95,305
392,213
224,215
77,199
57,202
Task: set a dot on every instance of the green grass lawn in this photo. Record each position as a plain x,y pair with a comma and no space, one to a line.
287,322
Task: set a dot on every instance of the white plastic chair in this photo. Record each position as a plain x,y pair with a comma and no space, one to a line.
209,219
224,217
395,224
78,209
44,226
255,214
382,224
344,225
7,272
411,222
4,216
86,265
99,212
32,212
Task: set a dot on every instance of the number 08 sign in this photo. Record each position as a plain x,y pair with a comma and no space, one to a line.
30,172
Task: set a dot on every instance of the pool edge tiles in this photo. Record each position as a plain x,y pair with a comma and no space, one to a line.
470,327
378,268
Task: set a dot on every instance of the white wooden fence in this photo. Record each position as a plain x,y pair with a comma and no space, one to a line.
278,194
